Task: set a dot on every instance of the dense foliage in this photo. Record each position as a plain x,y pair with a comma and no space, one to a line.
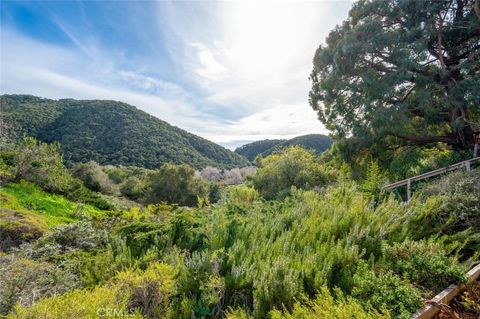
400,73
302,236
325,245
294,167
110,132
251,150
315,142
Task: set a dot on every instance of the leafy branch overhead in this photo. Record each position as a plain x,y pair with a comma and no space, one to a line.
401,73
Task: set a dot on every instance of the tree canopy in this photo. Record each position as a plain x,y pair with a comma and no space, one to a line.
294,167
401,73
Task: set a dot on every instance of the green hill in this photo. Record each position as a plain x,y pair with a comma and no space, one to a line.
251,150
111,132
316,142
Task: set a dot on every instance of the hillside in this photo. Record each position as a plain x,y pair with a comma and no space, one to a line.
323,244
251,150
316,142
111,132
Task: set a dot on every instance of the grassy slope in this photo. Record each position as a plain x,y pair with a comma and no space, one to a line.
54,209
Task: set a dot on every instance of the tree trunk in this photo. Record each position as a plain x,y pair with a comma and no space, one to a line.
461,128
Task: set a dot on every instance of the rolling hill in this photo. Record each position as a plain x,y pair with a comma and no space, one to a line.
111,132
316,142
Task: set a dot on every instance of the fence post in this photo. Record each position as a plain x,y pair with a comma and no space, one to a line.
409,190
467,165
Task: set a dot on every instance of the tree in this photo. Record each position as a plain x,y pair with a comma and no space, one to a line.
296,166
401,73
42,164
93,177
176,184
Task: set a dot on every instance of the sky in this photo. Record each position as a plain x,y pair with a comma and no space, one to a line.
230,71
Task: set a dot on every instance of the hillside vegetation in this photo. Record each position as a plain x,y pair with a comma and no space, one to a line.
303,235
111,132
316,142
299,239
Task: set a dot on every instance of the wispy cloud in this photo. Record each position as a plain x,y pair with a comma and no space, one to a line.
229,71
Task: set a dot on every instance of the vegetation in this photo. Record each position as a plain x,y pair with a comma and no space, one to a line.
301,238
295,167
110,132
251,150
304,235
399,75
316,142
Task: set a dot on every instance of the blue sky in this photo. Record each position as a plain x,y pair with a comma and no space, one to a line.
230,71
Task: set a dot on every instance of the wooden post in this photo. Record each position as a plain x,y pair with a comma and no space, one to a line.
467,166
409,190
475,150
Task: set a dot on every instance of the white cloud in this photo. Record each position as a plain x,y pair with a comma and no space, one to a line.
31,67
281,122
256,61
210,68
247,61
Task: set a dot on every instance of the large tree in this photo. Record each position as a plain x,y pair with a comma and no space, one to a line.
401,72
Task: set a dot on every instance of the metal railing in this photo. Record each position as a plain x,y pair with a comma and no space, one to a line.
408,181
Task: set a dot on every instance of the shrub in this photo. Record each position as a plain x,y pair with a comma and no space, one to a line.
176,184
325,306
67,238
283,250
385,290
374,181
101,266
240,195
131,293
133,188
117,174
23,281
149,291
458,182
108,302
295,166
17,227
425,263
42,164
93,177
449,208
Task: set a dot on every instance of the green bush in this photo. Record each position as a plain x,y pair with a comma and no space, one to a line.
23,281
426,264
93,177
176,184
385,290
149,291
449,208
131,293
134,188
82,304
42,164
17,227
295,166
67,238
101,266
325,306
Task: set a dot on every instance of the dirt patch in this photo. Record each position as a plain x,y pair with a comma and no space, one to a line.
464,306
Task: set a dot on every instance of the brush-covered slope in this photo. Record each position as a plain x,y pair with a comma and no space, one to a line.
316,142
111,132
251,150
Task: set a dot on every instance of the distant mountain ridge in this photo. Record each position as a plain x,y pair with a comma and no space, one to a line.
317,142
111,132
